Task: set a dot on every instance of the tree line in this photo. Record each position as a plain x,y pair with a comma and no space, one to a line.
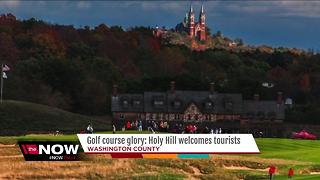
75,68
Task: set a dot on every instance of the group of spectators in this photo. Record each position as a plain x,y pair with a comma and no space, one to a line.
193,129
164,126
134,125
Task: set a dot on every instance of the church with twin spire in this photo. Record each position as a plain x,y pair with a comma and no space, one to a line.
194,29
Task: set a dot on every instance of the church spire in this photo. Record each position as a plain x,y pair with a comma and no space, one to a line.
191,9
202,10
202,15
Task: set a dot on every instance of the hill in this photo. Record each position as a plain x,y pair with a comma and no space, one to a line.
220,42
17,118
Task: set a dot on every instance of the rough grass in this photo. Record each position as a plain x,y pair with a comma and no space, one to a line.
20,118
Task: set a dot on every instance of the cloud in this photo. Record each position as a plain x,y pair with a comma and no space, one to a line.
10,3
41,3
83,5
277,8
168,6
301,8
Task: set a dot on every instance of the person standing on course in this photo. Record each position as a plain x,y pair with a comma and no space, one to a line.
140,126
290,173
113,129
272,172
128,125
90,129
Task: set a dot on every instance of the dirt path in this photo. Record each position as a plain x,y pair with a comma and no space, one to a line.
7,145
244,168
259,160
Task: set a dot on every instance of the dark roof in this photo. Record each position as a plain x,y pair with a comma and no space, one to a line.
202,99
263,108
152,102
218,103
127,103
178,102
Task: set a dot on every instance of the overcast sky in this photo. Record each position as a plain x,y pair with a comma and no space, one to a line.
276,23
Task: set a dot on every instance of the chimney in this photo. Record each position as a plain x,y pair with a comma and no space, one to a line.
256,97
115,90
279,98
172,87
211,87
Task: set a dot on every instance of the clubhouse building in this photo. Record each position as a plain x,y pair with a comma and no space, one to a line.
204,108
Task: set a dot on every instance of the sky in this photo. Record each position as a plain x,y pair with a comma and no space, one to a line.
288,23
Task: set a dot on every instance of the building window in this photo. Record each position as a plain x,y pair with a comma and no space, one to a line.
136,103
209,105
158,103
161,116
176,104
171,117
213,117
148,116
228,106
154,116
125,102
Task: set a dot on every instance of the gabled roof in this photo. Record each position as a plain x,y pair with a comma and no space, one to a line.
149,101
201,97
265,107
117,104
165,102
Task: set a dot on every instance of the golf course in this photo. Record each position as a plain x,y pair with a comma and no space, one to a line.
301,155
21,121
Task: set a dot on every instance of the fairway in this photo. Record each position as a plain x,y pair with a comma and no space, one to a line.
290,149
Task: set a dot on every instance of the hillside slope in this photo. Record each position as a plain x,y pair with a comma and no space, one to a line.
17,118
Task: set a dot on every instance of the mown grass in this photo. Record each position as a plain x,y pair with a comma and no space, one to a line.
20,118
300,177
290,149
283,177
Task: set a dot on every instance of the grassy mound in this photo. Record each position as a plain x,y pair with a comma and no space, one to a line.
18,118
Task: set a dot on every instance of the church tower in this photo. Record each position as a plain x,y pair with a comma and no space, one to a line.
191,22
202,23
